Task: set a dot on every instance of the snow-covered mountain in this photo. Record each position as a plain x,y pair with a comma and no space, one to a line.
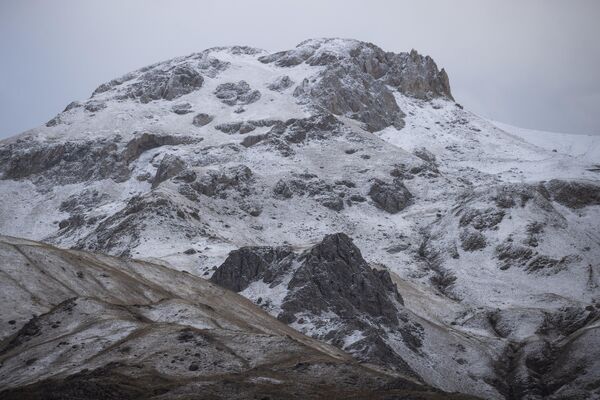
342,189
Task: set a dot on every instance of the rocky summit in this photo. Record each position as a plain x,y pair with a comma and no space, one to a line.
383,241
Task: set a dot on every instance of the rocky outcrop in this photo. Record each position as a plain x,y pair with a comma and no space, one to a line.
168,83
391,197
574,194
250,264
238,93
235,179
330,281
64,163
181,108
334,277
202,119
345,91
169,167
281,83
356,77
148,141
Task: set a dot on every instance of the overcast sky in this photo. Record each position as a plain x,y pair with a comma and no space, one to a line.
531,63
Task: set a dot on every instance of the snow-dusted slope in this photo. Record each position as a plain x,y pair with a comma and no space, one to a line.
104,327
487,234
586,147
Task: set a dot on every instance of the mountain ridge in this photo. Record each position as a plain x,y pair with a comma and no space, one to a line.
491,241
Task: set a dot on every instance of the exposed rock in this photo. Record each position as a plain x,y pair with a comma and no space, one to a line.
251,140
243,127
391,197
182,108
281,83
574,194
169,167
250,264
147,141
333,202
329,279
64,163
346,91
218,183
94,106
471,240
425,155
367,70
236,93
511,254
161,82
481,219
202,119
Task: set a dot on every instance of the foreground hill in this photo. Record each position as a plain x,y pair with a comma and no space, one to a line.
82,326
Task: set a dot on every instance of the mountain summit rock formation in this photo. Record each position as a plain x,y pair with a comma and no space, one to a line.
338,187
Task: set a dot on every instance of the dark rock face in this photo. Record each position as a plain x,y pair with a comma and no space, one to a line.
157,83
64,163
334,277
169,167
574,194
251,140
330,279
202,119
250,264
236,93
392,197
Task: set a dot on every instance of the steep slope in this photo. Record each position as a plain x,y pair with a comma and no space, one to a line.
187,160
109,328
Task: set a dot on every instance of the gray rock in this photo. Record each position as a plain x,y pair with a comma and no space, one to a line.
182,108
147,141
202,119
94,106
169,167
472,240
391,197
213,183
168,85
281,83
333,202
481,219
236,93
354,82
251,140
250,264
425,155
574,194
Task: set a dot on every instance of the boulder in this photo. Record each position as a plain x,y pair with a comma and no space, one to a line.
391,197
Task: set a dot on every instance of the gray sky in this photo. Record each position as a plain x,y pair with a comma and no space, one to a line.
531,63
